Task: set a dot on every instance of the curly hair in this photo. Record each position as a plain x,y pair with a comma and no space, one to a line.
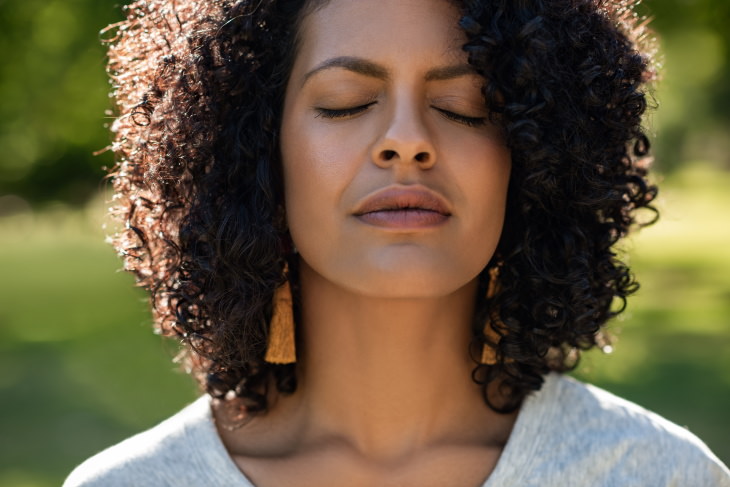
199,86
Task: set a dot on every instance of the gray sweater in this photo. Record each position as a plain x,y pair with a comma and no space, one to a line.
567,434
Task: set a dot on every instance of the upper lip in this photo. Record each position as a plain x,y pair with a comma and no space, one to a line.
402,197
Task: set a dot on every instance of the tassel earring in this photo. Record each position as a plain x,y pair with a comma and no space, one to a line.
489,354
281,348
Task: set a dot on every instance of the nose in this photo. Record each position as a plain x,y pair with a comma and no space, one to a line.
405,141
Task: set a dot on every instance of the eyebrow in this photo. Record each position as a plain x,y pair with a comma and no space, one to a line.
374,70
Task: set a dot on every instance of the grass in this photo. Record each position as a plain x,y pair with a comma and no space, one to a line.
80,370
79,367
673,345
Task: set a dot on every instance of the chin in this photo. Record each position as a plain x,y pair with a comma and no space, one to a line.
411,278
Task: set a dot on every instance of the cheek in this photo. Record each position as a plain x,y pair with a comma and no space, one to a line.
317,168
497,165
484,178
307,156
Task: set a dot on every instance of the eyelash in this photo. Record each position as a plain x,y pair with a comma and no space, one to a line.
344,112
469,121
347,112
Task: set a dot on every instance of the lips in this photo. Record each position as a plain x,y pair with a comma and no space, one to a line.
403,207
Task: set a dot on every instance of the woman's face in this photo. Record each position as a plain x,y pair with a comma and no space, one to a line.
395,182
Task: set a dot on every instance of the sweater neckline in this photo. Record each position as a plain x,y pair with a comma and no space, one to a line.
527,434
520,448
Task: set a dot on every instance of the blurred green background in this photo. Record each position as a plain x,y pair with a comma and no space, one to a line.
80,368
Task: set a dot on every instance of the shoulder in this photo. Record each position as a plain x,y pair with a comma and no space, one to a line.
593,437
182,450
599,412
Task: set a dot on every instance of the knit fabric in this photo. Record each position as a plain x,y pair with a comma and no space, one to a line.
567,434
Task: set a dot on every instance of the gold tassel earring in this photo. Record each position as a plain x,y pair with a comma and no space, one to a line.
281,348
489,354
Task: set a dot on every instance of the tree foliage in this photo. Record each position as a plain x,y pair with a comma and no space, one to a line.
54,106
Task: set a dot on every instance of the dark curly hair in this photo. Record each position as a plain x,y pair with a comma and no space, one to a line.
199,86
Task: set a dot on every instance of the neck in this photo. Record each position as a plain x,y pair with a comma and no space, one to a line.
387,376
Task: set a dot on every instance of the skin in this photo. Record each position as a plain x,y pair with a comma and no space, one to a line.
385,395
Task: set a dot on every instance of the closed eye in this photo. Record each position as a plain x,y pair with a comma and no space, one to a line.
342,112
469,121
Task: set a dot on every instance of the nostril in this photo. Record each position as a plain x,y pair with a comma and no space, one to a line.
422,157
388,154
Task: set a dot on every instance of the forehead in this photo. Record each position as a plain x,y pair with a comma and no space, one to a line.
389,31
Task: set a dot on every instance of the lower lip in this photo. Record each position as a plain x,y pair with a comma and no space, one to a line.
404,218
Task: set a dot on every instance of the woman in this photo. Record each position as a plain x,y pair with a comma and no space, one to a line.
382,228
